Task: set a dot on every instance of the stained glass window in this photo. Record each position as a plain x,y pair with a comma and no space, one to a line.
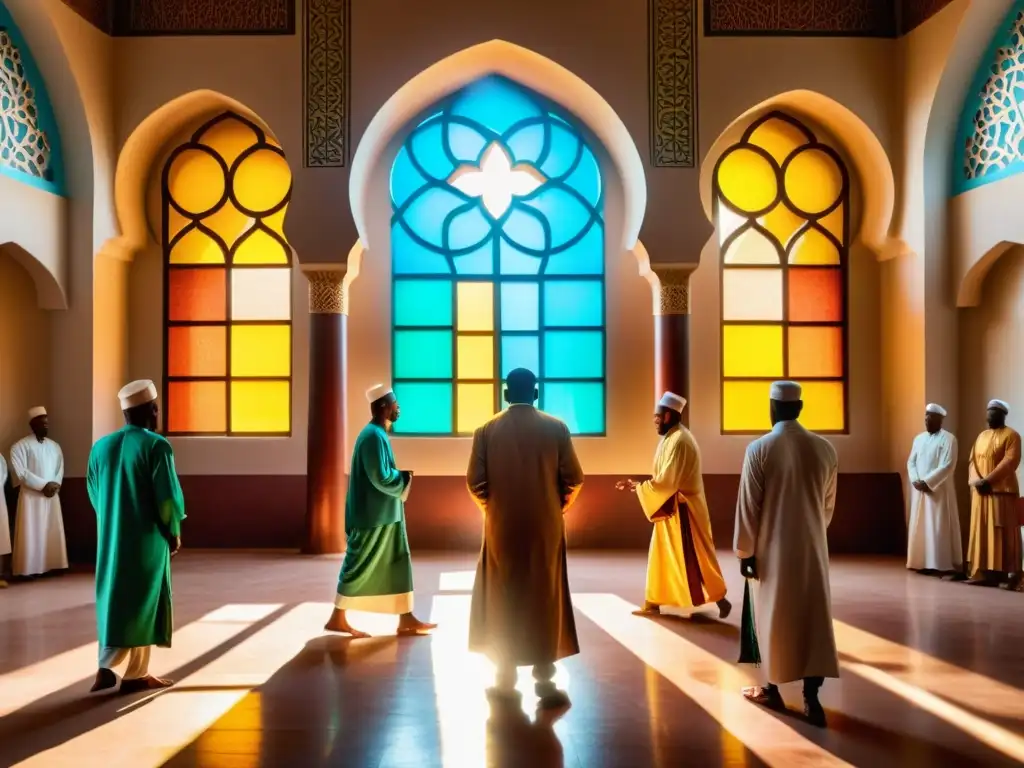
782,207
227,292
497,243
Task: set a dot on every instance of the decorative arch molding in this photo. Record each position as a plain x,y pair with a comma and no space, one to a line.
973,283
381,141
141,153
49,293
862,148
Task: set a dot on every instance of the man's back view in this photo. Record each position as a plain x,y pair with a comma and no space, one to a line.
524,475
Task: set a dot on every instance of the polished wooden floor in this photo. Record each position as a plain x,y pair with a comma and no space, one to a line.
932,675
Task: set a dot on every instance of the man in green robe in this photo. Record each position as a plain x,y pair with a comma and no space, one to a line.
376,575
134,489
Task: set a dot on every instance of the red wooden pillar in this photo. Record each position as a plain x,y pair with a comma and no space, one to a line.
325,440
672,331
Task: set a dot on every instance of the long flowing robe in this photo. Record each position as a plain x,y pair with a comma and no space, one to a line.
39,544
933,533
524,475
376,574
786,499
682,567
5,522
134,489
994,543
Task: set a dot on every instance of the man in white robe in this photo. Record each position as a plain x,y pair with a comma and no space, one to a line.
933,533
37,465
786,498
5,525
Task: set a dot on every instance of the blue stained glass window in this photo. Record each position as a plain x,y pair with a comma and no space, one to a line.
497,185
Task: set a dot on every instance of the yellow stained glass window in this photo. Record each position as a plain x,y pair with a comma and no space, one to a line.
227,365
788,321
475,405
475,307
475,355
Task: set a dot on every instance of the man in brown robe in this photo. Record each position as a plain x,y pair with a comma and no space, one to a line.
994,550
524,475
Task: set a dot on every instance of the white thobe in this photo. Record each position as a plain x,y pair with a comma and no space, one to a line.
933,533
39,544
786,499
5,520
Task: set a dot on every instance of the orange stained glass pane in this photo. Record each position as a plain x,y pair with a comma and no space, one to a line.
475,357
261,350
815,295
745,406
196,181
228,222
196,406
261,248
261,407
196,295
779,137
813,181
175,222
261,294
815,351
275,221
196,247
475,304
751,294
835,223
752,247
752,350
823,406
475,405
197,350
229,138
262,180
782,222
813,247
747,180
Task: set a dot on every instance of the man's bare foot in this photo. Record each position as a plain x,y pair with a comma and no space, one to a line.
339,623
649,609
105,679
410,625
765,696
148,683
724,609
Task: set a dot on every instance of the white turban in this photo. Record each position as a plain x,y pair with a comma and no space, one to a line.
935,408
377,391
673,402
136,393
999,405
785,391
34,413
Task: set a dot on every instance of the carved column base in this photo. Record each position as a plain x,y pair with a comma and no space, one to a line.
672,331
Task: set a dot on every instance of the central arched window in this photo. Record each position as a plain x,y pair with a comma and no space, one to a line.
227,285
497,245
782,203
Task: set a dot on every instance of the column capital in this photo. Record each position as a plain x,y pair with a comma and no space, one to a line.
673,285
328,294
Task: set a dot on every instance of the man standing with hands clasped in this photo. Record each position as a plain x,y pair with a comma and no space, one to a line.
933,533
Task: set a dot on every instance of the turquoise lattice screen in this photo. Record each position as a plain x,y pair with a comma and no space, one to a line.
497,243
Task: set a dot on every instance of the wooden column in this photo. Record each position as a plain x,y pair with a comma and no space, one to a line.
672,331
325,441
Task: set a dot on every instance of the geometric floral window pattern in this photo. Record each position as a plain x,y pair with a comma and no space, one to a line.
497,245
782,208
992,127
227,286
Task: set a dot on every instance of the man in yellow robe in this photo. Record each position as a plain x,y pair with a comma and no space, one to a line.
682,568
994,549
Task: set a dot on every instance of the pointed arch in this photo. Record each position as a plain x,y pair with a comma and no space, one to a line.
378,145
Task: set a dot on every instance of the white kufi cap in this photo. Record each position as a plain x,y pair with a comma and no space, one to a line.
36,412
785,391
377,391
935,408
999,405
673,402
137,393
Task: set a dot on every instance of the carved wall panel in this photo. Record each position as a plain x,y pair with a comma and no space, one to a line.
673,82
326,80
848,18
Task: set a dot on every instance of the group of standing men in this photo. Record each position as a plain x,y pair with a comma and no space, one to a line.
37,468
994,545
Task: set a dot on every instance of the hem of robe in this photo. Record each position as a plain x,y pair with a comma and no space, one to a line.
34,572
695,582
395,604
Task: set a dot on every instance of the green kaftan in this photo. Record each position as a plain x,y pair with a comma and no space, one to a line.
134,489
376,574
